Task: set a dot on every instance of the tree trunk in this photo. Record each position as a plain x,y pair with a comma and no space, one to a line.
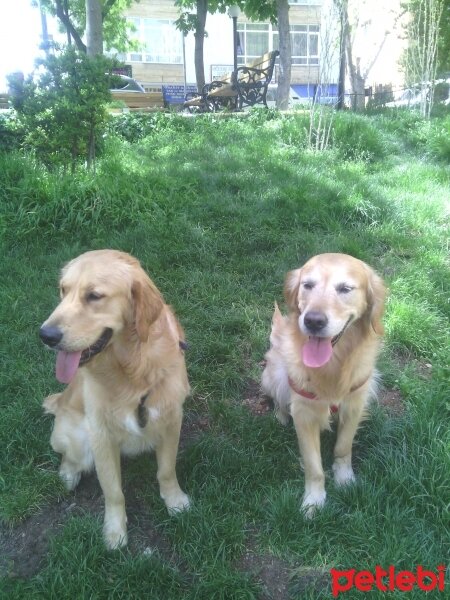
357,81
94,28
202,10
284,36
343,16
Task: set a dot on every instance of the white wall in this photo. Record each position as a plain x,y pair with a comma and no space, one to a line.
218,46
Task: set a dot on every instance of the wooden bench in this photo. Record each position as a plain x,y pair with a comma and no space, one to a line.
246,86
140,101
4,101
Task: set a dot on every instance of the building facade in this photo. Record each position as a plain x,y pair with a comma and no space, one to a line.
166,57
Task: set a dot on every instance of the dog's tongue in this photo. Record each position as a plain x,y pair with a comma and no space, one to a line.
67,365
317,352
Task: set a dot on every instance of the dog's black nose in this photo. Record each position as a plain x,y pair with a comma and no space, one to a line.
51,336
315,321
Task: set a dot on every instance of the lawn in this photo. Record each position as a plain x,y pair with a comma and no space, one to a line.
217,211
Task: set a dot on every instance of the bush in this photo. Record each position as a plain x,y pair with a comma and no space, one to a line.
441,91
439,139
63,111
136,126
356,137
12,133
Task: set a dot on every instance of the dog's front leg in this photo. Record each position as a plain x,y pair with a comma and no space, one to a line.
308,425
166,455
350,413
107,464
106,453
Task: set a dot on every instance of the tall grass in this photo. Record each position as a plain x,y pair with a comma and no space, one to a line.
218,210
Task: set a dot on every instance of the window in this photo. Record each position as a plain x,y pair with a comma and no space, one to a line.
253,41
257,38
305,44
160,42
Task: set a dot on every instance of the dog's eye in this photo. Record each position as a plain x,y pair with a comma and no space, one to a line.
308,285
344,289
94,296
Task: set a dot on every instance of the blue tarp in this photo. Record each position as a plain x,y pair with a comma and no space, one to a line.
311,90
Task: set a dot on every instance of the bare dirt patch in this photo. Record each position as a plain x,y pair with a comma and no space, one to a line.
392,401
259,404
256,402
309,579
270,572
23,548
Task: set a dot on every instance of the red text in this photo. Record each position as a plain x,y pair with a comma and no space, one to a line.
387,580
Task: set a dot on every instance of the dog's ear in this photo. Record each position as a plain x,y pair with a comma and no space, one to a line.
291,284
148,304
376,294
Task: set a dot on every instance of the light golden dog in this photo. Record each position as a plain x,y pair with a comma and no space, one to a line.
322,360
120,350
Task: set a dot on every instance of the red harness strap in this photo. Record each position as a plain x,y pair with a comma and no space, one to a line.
312,396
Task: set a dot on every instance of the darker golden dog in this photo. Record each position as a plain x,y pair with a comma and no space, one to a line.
322,360
120,350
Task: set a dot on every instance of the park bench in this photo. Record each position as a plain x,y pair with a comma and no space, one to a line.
4,101
245,86
139,101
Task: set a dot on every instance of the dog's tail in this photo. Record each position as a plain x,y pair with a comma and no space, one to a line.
274,381
277,327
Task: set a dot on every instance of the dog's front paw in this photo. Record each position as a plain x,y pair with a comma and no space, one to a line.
282,416
312,501
343,473
115,536
115,529
69,476
177,502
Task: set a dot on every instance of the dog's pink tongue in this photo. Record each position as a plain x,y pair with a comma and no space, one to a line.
67,365
317,352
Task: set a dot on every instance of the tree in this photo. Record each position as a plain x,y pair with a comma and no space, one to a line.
355,17
106,22
94,28
63,108
284,36
421,56
273,10
197,22
276,11
443,67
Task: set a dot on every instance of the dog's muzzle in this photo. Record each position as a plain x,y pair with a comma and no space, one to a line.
97,347
52,337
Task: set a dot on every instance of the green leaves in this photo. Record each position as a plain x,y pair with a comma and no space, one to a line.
63,110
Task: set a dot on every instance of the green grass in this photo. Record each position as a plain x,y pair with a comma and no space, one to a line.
218,210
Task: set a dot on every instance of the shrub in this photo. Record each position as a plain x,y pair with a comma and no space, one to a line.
409,126
438,141
136,126
356,137
11,132
63,111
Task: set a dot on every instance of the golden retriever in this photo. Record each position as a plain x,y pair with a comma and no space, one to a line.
322,360
120,350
